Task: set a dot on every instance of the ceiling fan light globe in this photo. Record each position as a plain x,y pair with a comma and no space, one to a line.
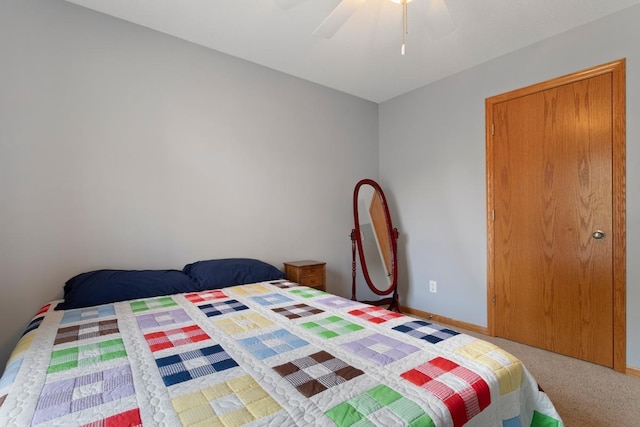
400,1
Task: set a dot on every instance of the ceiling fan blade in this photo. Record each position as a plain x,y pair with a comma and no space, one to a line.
439,22
287,4
336,18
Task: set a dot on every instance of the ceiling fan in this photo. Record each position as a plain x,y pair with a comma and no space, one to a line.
438,19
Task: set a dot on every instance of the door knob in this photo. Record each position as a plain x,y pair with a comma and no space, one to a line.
598,234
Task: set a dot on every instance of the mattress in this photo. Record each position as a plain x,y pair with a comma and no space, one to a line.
268,353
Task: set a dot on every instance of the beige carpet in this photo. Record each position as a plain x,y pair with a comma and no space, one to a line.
584,394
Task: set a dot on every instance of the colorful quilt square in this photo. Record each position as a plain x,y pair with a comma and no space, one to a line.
243,323
63,397
463,391
222,307
517,422
429,332
235,402
508,369
152,304
162,318
297,311
88,313
43,310
186,366
284,284
337,302
33,325
267,345
397,410
248,290
307,292
381,349
542,420
317,372
124,419
10,372
374,314
23,345
85,355
86,331
331,327
206,296
271,299
175,337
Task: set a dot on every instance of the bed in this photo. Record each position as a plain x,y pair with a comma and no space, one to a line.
268,352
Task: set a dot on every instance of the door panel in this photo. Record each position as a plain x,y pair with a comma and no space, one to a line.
550,187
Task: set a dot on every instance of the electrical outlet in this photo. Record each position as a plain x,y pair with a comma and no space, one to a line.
433,286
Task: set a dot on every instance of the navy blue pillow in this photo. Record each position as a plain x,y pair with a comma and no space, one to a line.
220,273
106,286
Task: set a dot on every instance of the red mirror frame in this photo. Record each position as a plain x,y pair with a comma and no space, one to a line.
356,241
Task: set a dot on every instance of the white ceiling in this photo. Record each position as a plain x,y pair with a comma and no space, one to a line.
363,57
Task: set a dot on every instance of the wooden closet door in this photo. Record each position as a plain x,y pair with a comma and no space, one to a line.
552,187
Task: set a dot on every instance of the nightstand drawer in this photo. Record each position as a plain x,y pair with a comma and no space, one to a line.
316,270
312,280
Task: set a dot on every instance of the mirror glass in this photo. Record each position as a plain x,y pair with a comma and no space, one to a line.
375,237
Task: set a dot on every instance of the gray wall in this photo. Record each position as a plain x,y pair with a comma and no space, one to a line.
432,163
121,147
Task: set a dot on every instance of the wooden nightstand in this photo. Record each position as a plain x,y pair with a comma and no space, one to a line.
308,273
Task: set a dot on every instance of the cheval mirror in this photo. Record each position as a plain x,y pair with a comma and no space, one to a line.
376,242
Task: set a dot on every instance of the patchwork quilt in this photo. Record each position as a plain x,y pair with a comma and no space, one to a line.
270,353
